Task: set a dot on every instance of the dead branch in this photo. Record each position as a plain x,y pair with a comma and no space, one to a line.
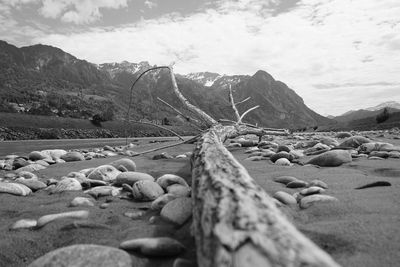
247,112
244,100
237,115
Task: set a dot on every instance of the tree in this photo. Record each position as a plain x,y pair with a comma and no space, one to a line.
383,116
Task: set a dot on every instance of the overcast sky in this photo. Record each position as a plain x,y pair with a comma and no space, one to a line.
336,54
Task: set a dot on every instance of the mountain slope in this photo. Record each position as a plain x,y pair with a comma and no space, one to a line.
351,115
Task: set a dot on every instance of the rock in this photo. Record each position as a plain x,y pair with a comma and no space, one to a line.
105,173
283,148
317,149
256,158
177,211
284,179
251,150
84,255
87,171
374,184
308,201
72,156
67,184
161,201
31,168
54,153
283,162
354,141
109,153
163,155
104,205
36,155
267,153
318,183
155,246
296,154
394,154
14,189
145,190
377,146
131,177
81,201
168,179
78,176
78,214
24,224
179,190
285,198
312,190
42,162
101,191
233,145
27,175
297,184
246,143
343,135
19,163
179,262
280,155
108,148
375,158
134,214
331,158
33,184
329,141
381,154
127,163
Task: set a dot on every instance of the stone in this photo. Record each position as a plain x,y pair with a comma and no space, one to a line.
168,179
308,201
109,153
27,175
381,154
331,158
312,190
251,150
19,163
318,183
125,162
67,184
81,201
54,153
296,154
284,179
131,177
84,255
256,158
102,191
36,155
374,184
317,149
109,148
329,141
24,224
280,155
297,184
104,205
375,158
78,214
394,154
283,162
145,190
179,262
342,135
267,153
354,141
31,168
285,198
283,148
33,184
247,143
134,214
154,246
87,171
161,201
179,190
43,163
163,155
14,189
177,211
105,173
72,156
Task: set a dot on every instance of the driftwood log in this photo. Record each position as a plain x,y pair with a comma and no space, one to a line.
235,222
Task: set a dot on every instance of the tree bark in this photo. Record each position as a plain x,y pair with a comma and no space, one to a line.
235,222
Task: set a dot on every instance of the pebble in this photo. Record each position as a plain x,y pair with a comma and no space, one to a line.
284,179
168,179
179,190
33,184
354,141
297,184
19,163
78,214
67,184
31,168
131,177
105,173
72,156
312,190
163,155
128,164
104,205
318,183
102,191
256,158
285,198
27,175
84,255
14,189
154,246
134,214
331,158
145,190
280,155
81,201
283,162
161,201
24,224
54,153
308,201
177,211
381,154
36,155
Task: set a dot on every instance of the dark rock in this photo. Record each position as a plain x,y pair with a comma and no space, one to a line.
331,158
374,184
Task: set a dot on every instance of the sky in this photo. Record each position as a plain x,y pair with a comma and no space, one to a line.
338,55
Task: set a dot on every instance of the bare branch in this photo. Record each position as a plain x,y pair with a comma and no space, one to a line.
240,102
247,111
237,115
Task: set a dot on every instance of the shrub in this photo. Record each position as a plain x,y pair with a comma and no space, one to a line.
383,116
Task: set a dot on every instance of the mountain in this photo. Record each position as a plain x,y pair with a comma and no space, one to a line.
45,80
351,115
388,104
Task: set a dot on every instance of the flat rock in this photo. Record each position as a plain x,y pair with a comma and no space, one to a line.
282,154
24,224
33,184
67,184
14,189
179,190
285,198
284,179
312,190
72,156
102,191
54,153
78,214
31,168
81,201
161,201
331,158
128,164
297,184
318,183
84,255
308,201
156,246
131,177
145,190
177,211
105,173
354,141
168,179
36,155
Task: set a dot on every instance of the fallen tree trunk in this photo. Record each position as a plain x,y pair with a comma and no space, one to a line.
235,222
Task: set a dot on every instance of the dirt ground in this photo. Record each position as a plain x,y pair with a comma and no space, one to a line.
361,229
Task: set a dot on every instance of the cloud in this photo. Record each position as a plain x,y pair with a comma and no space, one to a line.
149,4
347,85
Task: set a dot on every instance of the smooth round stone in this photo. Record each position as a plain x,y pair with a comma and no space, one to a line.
318,183
78,176
54,153
134,214
331,158
179,190
267,153
42,162
84,255
329,141
381,154
394,154
247,143
256,158
251,150
168,179
131,177
312,190
155,246
36,155
296,154
283,148
19,163
354,141
24,224
77,214
177,211
284,179
285,198
308,201
27,175
109,153
161,201
31,168
72,156
105,173
297,184
343,135
102,191
67,184
283,162
87,171
33,184
145,190
109,148
15,189
127,163
81,201
280,155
